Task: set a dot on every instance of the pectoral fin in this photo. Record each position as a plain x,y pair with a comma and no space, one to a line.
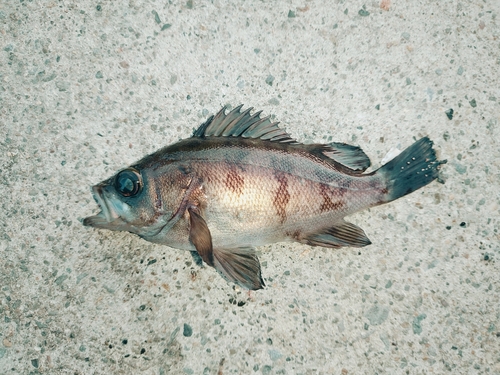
341,234
200,236
240,266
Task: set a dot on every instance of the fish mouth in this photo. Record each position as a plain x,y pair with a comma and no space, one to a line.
105,216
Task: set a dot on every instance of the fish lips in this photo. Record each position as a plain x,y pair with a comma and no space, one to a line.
107,218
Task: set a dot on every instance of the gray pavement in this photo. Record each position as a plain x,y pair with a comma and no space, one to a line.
88,87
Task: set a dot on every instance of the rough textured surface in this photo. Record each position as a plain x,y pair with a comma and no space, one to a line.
89,87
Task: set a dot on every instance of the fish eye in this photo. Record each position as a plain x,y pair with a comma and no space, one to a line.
128,182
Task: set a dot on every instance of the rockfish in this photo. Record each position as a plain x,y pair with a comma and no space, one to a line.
240,181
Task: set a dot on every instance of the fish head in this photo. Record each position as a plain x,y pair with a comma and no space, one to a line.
127,204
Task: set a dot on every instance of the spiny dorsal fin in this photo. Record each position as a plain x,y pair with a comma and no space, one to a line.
239,123
242,124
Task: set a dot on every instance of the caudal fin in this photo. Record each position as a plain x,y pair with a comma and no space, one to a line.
415,167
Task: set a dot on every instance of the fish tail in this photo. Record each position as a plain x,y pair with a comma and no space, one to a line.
414,168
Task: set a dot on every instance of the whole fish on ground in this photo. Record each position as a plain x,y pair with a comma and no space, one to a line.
240,181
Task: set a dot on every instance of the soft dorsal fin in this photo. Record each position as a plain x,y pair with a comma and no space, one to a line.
350,156
239,123
242,124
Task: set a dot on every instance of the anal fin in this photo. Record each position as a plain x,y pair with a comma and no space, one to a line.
339,235
240,266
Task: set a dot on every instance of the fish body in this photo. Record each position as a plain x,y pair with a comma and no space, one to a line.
240,181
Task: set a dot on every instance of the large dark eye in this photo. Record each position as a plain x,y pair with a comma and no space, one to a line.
128,182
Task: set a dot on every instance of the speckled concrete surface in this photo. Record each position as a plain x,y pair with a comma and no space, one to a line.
88,87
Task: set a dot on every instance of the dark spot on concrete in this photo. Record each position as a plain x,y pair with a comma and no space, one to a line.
187,330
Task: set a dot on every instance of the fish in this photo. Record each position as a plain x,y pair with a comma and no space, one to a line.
241,181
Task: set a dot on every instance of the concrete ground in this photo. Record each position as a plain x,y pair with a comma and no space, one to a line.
88,87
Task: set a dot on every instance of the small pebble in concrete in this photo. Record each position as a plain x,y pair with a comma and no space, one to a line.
187,331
